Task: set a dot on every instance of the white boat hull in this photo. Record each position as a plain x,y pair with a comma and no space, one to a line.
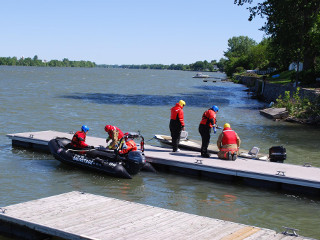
165,141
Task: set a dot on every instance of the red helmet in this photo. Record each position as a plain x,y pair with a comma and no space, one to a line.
108,128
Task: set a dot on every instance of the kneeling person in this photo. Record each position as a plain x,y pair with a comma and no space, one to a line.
79,139
128,146
228,143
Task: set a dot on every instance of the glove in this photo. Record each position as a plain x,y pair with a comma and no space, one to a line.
214,130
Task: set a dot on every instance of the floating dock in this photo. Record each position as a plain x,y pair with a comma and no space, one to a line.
76,215
293,178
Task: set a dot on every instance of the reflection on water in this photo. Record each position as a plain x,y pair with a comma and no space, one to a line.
63,99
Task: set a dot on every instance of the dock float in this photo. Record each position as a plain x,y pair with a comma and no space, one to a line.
280,176
76,215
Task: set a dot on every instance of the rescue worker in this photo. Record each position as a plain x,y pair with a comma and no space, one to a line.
228,143
176,124
115,134
128,146
79,138
208,122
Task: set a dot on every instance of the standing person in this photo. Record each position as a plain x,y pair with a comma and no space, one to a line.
228,143
115,134
176,124
208,121
79,138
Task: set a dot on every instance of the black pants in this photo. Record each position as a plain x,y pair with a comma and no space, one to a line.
205,132
175,130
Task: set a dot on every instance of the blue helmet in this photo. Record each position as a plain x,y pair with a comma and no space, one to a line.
85,128
215,108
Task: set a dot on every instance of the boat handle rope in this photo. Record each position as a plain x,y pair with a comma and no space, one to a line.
154,137
280,173
3,210
290,231
84,150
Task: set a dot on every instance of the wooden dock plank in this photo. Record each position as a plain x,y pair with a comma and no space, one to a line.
125,217
205,230
55,208
166,229
242,233
143,222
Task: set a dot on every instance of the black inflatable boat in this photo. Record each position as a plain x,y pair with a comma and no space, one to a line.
101,159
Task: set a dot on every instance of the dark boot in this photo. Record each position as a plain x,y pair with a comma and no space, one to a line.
234,156
229,156
205,155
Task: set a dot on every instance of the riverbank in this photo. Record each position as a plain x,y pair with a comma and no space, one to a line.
270,93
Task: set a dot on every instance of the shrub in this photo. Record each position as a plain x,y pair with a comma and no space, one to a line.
295,106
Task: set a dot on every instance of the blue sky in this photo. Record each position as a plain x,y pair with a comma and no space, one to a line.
123,31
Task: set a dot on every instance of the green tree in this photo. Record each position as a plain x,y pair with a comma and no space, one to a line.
258,56
239,46
294,27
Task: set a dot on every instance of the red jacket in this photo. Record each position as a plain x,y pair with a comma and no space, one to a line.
229,136
177,114
130,146
208,118
120,135
79,139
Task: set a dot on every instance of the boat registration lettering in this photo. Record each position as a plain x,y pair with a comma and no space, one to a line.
80,158
112,164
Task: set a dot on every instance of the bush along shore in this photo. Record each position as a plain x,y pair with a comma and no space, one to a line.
302,104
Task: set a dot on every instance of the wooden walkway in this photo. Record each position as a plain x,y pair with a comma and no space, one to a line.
294,178
77,215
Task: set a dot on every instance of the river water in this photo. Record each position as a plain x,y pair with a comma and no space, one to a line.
63,99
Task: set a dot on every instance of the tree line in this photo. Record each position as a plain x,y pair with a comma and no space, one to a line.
197,66
35,61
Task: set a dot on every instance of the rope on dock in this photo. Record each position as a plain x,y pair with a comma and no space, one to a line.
3,210
290,231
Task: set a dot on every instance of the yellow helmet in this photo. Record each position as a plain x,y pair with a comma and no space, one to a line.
182,103
226,125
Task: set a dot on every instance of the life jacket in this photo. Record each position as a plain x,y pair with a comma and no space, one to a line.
78,140
177,114
229,136
128,147
208,118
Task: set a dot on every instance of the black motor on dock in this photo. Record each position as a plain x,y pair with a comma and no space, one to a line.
277,154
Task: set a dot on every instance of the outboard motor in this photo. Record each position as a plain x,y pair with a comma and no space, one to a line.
135,161
277,154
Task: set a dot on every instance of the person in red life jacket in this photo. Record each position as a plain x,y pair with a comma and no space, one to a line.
115,134
228,143
79,138
176,124
128,146
208,122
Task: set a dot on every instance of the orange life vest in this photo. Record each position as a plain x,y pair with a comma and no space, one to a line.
208,118
130,146
229,136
